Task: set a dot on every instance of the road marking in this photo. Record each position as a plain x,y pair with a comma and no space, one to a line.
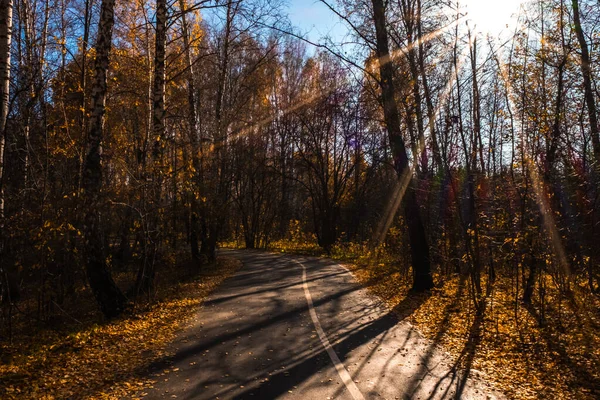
341,370
346,268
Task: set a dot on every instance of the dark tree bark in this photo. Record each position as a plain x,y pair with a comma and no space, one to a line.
430,108
193,132
147,272
586,71
473,224
211,229
84,120
416,231
109,297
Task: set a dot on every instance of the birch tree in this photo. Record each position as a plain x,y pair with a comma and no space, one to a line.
5,43
108,295
5,46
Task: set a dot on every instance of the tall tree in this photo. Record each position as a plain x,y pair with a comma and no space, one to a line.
431,113
147,271
5,46
193,133
213,223
416,230
472,236
108,295
586,71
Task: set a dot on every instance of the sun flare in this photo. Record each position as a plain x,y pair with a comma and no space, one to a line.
491,16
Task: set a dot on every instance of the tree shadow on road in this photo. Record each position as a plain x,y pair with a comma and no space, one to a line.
286,380
307,358
458,374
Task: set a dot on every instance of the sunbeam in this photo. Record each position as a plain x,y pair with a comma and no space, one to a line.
539,185
402,183
266,121
425,39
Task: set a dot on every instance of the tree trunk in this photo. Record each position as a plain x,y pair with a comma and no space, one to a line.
193,127
408,13
586,71
416,231
472,173
211,227
83,120
110,298
7,288
145,279
431,114
6,7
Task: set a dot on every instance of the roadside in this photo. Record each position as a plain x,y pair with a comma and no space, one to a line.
528,360
104,361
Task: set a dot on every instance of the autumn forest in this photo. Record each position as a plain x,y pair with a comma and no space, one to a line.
158,157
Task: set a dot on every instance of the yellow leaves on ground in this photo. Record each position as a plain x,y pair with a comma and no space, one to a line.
558,358
524,359
105,361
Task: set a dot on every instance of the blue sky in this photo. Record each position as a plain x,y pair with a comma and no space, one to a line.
315,19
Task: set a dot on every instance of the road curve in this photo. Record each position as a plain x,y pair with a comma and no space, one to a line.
293,327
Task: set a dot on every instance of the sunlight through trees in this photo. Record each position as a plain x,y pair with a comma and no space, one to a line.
138,135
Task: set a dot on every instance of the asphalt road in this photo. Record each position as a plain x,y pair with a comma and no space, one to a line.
295,327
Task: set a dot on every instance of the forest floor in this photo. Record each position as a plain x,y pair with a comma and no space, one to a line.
81,358
529,351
